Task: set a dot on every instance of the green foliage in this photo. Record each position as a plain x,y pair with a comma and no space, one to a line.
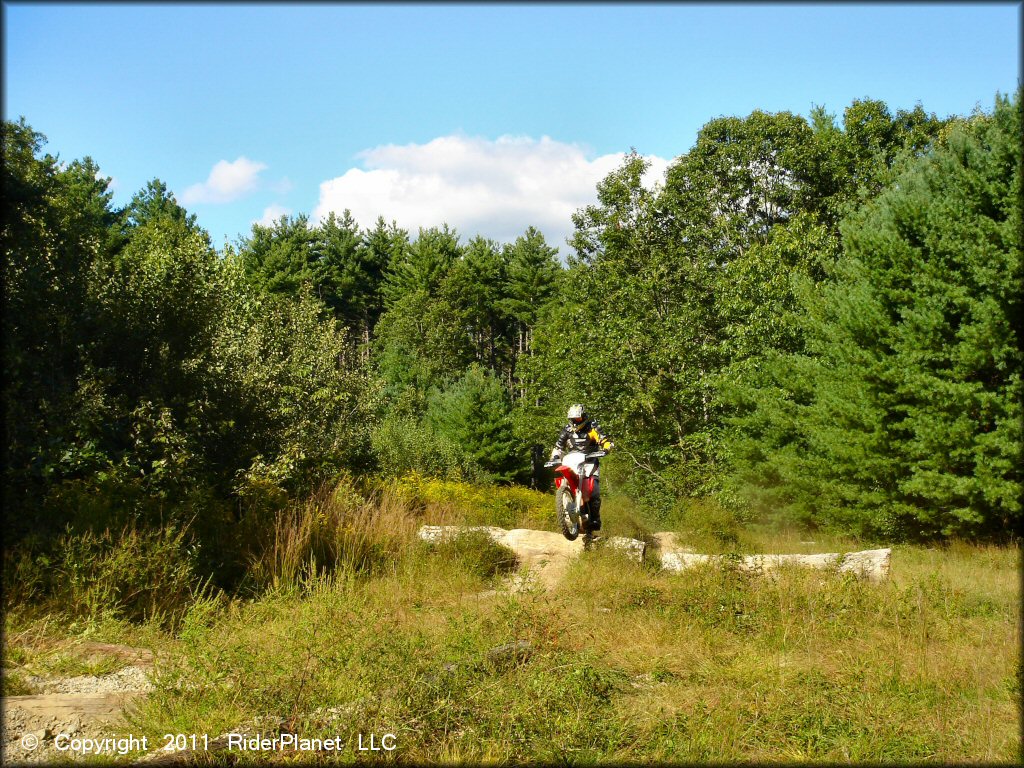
422,266
420,343
477,554
349,272
466,503
810,319
56,223
904,417
155,205
405,445
152,382
333,261
475,414
477,285
303,401
280,257
137,574
531,278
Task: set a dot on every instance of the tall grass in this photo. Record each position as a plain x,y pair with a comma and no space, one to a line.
335,530
136,574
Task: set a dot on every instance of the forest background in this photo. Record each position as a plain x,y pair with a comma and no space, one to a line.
811,323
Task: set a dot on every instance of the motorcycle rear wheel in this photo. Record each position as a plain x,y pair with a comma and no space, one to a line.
568,515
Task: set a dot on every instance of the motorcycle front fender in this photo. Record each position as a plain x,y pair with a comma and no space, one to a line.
565,475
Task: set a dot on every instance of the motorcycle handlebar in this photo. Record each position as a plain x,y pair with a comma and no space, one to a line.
594,455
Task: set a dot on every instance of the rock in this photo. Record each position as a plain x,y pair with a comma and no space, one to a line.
124,680
503,655
872,564
668,541
542,555
436,533
680,561
633,548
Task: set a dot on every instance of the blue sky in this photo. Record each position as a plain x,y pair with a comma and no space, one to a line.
492,117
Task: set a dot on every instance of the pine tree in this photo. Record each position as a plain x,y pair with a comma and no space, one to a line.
475,414
904,418
422,266
280,258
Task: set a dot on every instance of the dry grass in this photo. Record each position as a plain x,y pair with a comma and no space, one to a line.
806,666
336,530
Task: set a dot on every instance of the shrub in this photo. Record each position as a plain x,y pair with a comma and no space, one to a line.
478,554
405,445
503,506
137,575
335,530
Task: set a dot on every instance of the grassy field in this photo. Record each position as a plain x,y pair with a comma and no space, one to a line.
618,663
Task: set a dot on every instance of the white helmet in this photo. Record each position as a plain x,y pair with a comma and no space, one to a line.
576,415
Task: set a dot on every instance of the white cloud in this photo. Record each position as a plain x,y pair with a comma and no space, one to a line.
492,188
226,182
271,214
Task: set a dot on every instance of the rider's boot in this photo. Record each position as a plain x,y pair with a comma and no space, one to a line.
595,514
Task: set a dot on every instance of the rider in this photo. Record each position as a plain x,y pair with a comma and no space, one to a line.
583,434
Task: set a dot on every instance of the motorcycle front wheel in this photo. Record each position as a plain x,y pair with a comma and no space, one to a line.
568,515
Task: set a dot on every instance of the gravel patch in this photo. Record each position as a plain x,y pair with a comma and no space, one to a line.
86,706
129,679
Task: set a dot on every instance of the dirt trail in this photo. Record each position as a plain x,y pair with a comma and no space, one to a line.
543,556
79,707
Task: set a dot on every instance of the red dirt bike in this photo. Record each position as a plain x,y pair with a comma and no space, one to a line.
573,489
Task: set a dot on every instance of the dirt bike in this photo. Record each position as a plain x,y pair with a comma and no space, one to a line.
572,497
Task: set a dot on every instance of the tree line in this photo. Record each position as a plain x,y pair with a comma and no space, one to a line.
813,321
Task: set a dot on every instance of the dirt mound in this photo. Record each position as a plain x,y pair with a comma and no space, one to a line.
543,556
